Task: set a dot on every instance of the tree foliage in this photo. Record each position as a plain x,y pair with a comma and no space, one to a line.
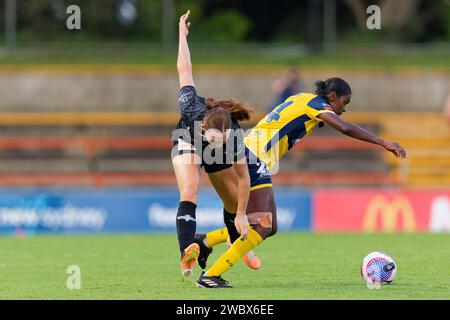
233,20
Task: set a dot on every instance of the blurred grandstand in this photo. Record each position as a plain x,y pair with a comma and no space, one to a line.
133,149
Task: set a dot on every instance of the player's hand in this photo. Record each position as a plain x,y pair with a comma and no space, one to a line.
396,149
241,223
183,26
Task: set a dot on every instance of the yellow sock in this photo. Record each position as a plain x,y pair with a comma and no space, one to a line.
236,252
216,237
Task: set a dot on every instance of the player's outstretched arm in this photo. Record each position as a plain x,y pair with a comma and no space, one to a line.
357,132
184,65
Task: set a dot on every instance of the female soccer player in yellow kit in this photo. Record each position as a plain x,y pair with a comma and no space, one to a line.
266,144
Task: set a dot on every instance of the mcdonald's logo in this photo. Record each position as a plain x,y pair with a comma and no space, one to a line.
390,213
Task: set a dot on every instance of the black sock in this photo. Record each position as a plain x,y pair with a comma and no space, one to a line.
228,218
186,224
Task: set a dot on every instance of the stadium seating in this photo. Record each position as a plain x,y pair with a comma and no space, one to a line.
121,148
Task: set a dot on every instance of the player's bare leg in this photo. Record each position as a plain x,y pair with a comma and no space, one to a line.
187,173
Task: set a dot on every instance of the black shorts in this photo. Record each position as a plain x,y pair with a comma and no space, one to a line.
182,147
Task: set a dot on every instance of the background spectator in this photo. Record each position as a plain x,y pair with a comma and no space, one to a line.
288,84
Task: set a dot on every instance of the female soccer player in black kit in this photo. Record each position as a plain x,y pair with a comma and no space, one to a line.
206,130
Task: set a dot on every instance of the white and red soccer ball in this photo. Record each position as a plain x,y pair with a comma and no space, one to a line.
378,268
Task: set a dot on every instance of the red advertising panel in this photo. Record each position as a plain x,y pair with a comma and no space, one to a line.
355,210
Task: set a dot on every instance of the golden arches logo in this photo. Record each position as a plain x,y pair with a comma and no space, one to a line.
389,212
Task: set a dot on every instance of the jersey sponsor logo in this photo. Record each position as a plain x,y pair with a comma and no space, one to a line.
255,132
390,213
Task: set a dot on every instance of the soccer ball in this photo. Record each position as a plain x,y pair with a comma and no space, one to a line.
379,268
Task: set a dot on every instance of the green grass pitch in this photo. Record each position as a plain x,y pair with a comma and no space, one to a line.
295,266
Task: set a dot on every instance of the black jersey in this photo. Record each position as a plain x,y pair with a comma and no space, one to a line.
192,110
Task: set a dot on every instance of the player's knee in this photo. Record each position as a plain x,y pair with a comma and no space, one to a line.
274,230
230,206
263,232
261,223
189,194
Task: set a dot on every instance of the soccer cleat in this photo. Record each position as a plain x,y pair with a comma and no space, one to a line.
250,258
212,282
204,250
189,258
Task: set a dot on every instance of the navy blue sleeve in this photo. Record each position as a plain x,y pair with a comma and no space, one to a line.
317,106
319,103
192,107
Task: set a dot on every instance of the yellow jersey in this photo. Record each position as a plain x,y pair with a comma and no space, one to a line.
282,128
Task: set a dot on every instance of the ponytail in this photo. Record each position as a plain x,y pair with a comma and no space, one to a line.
321,88
340,86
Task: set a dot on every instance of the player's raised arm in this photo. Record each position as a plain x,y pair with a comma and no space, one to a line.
184,65
337,94
357,132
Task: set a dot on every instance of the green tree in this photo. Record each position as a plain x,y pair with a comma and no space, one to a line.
223,26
